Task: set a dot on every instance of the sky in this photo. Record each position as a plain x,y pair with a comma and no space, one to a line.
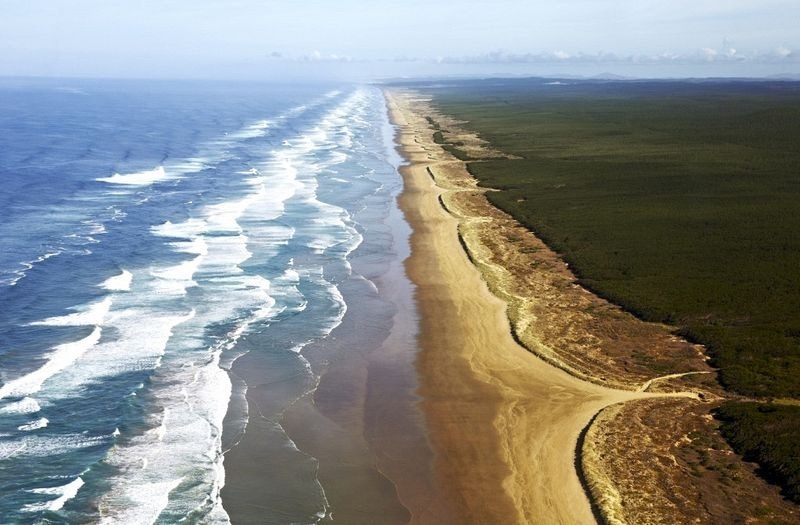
272,39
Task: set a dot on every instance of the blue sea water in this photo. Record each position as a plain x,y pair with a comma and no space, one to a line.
146,230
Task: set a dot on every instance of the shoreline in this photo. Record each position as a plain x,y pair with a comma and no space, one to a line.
500,416
358,428
430,405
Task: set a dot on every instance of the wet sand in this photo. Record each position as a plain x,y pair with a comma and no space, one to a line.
360,419
364,422
505,424
359,430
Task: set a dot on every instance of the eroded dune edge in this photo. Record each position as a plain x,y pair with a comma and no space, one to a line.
578,428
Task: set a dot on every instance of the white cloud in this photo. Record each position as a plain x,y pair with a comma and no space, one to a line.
313,56
710,54
727,54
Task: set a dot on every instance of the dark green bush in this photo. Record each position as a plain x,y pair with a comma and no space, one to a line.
766,434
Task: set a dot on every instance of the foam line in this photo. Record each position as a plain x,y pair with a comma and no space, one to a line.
119,283
62,357
64,493
34,425
141,178
47,445
148,502
26,405
89,315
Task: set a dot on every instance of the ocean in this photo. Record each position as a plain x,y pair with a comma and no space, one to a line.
152,234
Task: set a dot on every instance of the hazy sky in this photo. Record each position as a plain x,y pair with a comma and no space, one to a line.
264,38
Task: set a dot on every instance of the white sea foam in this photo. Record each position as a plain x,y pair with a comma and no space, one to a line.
141,178
197,246
181,230
186,440
251,131
142,335
144,503
46,256
181,273
64,493
116,214
338,157
26,405
229,252
191,164
177,279
95,228
316,275
291,275
329,226
14,276
34,425
10,449
138,343
119,283
87,315
33,445
62,357
223,217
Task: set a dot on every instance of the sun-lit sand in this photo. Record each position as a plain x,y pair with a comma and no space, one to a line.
504,423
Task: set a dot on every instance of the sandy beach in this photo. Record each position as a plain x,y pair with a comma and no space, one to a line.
505,424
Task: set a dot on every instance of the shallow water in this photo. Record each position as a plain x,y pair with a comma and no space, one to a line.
153,233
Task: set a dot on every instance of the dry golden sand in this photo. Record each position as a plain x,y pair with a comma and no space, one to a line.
504,423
